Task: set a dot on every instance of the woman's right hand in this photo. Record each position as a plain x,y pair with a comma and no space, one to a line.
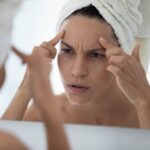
42,56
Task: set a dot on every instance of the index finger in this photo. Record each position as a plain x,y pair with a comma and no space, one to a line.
105,43
57,38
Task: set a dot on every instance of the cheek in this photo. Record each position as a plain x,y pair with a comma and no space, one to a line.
60,63
102,83
100,76
63,65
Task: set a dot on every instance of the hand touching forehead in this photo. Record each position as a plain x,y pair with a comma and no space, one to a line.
81,31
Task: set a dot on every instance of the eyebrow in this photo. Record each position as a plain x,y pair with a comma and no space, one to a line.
66,44
71,47
96,50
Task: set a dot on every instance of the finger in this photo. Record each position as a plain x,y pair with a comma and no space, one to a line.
135,52
53,51
124,64
114,51
57,38
107,45
24,57
118,61
114,70
50,48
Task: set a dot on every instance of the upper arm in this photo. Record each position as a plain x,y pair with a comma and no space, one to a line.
32,113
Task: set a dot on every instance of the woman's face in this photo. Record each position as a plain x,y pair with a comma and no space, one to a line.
82,62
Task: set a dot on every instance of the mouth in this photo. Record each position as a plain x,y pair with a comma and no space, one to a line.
77,88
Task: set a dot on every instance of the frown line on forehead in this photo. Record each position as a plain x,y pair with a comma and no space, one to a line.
100,48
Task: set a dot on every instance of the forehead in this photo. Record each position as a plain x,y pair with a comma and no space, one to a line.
81,28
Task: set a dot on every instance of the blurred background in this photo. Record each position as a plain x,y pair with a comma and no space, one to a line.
34,23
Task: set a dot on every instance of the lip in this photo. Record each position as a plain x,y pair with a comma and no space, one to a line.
77,88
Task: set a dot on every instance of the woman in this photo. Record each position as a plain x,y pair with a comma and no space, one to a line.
104,83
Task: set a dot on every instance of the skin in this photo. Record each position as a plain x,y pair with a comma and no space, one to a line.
110,98
88,67
5,138
14,143
117,91
39,75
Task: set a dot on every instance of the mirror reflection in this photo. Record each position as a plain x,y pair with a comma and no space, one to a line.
87,62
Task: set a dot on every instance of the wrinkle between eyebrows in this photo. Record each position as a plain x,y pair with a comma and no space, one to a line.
89,50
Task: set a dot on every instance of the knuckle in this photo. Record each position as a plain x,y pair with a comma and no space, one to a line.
43,44
107,53
122,59
112,59
117,50
121,62
35,48
117,71
113,51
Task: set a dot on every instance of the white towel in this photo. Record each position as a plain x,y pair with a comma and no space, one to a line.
122,15
8,9
144,8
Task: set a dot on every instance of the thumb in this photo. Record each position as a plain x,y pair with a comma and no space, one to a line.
135,52
25,58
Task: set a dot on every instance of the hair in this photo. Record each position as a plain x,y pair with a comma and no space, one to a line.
89,11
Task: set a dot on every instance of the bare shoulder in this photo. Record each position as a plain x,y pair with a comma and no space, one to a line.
33,114
62,99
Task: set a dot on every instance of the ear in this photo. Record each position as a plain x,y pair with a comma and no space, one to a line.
135,52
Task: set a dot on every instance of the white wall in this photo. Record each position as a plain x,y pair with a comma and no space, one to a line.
34,23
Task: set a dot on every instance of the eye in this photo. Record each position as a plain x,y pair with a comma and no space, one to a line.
66,50
96,55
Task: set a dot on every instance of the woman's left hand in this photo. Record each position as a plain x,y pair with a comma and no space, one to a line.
128,71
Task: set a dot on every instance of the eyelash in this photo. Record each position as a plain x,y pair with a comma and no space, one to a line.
96,55
67,50
92,54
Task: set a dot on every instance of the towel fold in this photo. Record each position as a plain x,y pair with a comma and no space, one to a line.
122,15
144,8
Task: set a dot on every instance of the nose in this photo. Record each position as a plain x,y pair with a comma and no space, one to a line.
79,68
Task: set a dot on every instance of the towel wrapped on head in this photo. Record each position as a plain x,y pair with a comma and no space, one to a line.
122,15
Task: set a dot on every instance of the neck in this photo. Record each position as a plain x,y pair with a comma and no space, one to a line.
112,108
110,104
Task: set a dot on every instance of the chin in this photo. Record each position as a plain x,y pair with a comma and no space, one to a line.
78,100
